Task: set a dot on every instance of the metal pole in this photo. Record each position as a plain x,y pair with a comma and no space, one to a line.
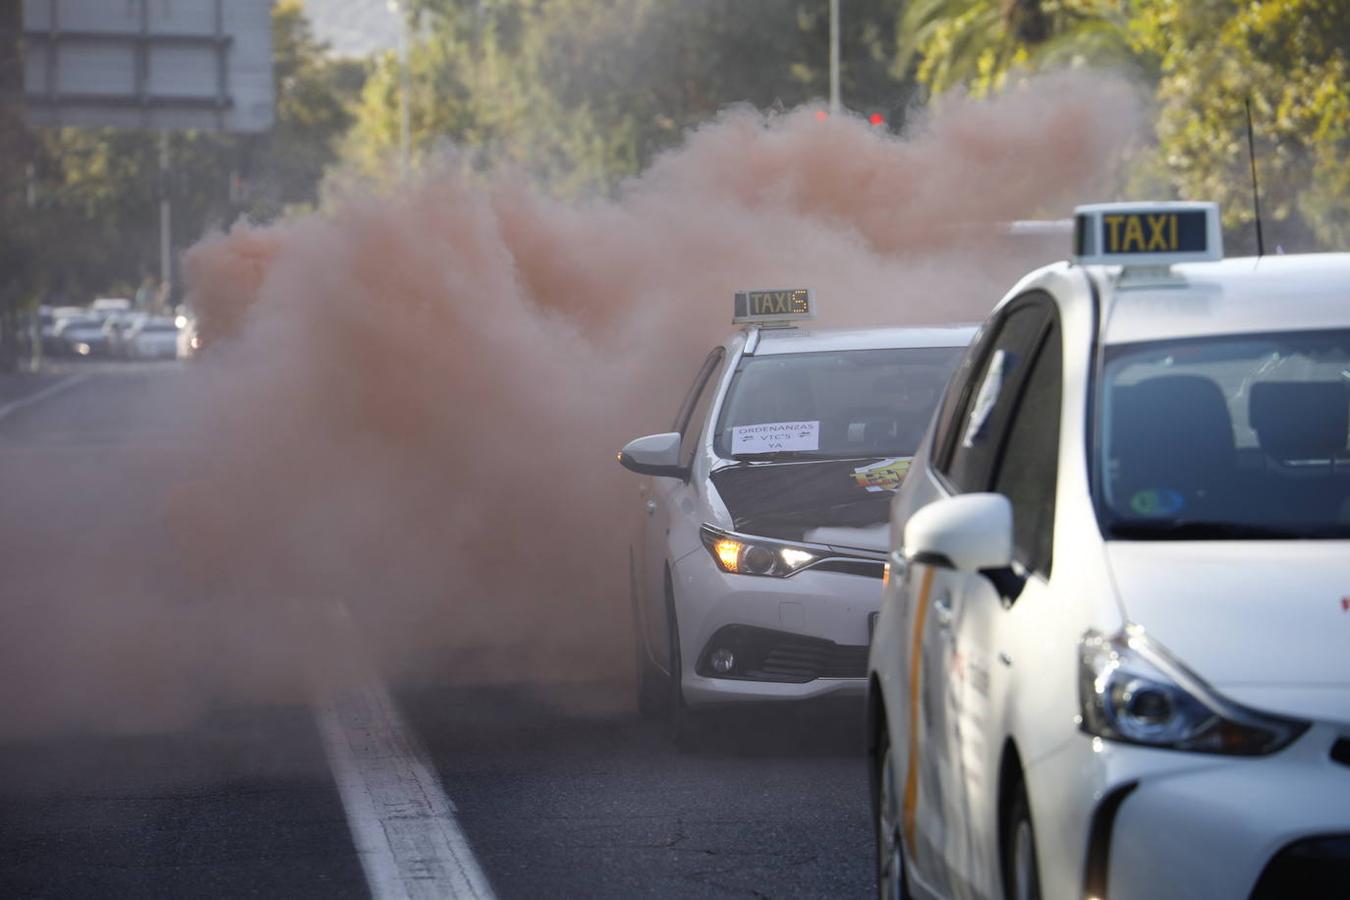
404,91
834,58
405,102
165,213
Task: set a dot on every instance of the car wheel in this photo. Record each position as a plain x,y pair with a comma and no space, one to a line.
892,879
682,721
1021,876
652,691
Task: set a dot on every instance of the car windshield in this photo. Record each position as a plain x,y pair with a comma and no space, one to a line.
1232,437
832,404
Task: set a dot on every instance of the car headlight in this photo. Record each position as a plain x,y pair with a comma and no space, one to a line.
741,555
1130,690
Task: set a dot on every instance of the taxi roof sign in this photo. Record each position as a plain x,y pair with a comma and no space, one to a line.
762,307
1147,234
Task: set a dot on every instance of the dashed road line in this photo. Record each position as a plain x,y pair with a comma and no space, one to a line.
64,384
402,823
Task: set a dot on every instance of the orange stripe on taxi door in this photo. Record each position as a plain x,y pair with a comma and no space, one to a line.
915,673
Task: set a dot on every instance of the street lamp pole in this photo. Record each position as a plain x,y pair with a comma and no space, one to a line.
404,91
835,105
165,220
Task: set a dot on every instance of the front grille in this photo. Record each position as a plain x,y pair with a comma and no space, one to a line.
762,654
1310,869
1340,751
865,567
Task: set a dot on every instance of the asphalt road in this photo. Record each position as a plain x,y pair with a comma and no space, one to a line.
550,793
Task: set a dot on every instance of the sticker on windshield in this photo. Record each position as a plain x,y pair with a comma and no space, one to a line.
1157,503
986,399
883,476
773,437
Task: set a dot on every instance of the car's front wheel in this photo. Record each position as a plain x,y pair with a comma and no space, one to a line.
1021,875
683,722
891,880
652,692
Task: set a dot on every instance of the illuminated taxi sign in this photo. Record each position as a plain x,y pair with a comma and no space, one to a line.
773,306
1147,234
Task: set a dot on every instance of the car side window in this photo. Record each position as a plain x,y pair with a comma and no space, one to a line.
976,432
952,397
1028,465
695,407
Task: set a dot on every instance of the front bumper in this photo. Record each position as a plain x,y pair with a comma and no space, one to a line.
1185,824
812,627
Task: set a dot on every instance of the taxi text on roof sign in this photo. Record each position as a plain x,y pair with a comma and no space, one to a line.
773,306
1147,234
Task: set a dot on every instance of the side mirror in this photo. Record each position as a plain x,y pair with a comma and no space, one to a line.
970,533
655,454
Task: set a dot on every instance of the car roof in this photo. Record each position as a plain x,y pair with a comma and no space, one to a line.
1233,296
775,341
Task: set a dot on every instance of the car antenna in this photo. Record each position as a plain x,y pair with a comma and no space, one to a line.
1256,191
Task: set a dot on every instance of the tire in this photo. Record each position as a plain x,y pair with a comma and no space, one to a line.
652,691
682,722
1021,872
892,873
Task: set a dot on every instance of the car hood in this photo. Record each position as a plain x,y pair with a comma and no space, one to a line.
1266,622
840,503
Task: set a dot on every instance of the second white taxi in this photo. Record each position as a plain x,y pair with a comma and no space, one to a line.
757,572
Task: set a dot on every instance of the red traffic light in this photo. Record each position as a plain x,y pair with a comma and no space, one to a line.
876,119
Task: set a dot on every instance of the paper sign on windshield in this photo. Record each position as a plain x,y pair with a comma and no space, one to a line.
773,437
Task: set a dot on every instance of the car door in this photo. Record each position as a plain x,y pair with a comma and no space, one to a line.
661,500
946,711
986,620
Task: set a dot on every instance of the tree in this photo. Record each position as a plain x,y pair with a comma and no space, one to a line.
316,96
977,44
1290,58
581,94
1204,59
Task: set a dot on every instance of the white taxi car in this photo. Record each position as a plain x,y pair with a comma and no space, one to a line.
758,567
1113,658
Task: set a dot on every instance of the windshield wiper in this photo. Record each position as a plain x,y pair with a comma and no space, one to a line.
1201,530
771,455
798,456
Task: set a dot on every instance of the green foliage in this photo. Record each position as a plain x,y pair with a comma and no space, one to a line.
1205,59
580,94
1290,58
978,44
79,208
315,98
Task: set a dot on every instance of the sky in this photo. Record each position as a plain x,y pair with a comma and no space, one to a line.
354,27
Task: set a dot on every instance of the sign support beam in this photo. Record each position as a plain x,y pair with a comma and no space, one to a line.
165,217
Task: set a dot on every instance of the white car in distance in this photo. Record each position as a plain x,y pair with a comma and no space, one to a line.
154,337
117,330
1113,659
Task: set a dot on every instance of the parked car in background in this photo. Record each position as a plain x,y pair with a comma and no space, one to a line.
189,341
108,305
53,323
152,338
118,328
82,336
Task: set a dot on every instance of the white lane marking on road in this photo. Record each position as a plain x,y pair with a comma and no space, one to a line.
15,405
404,826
